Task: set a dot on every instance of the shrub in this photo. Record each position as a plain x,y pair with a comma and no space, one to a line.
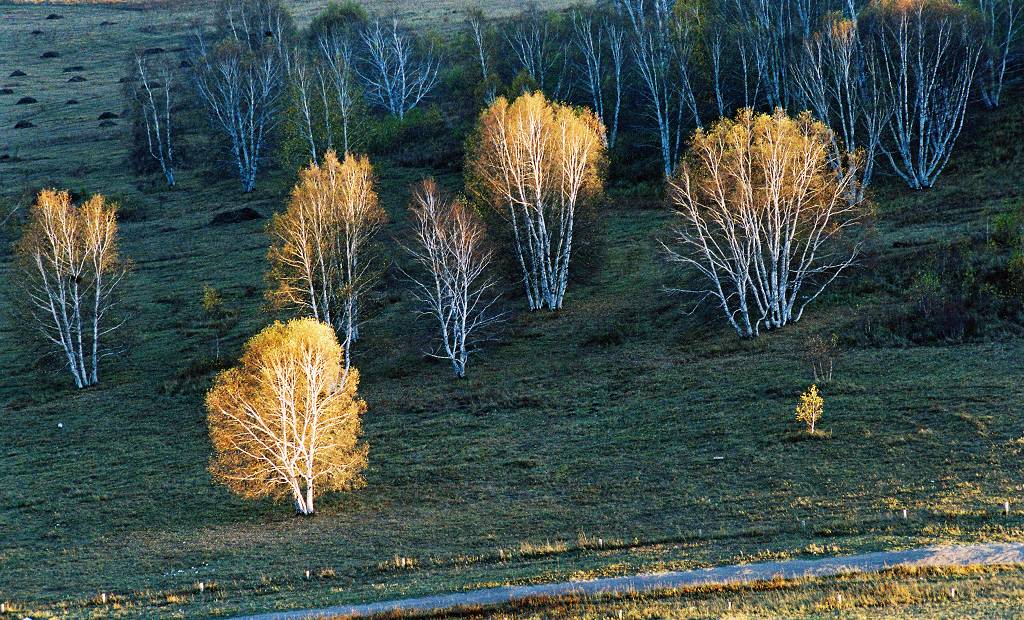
1007,228
821,352
1015,276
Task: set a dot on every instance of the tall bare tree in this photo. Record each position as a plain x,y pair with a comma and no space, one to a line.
336,51
153,91
310,94
71,267
536,46
476,24
536,162
260,26
396,76
766,28
453,289
715,39
320,258
240,73
927,51
600,42
762,211
662,42
840,80
1003,21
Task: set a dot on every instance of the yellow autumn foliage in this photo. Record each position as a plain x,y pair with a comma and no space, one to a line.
287,419
318,258
811,408
70,265
536,162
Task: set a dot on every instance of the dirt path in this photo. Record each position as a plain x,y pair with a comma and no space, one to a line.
965,555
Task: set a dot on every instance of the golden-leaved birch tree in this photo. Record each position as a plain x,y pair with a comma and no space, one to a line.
536,162
763,216
287,420
70,270
320,258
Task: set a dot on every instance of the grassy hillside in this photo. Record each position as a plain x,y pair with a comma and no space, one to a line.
436,13
620,434
93,41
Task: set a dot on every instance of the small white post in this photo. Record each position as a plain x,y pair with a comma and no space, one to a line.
904,514
1006,508
201,587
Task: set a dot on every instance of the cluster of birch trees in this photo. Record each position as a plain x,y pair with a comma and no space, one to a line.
892,77
323,259
764,217
70,275
349,62
536,163
887,80
252,71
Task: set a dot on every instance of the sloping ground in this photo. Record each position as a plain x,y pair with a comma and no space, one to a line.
618,436
436,13
66,141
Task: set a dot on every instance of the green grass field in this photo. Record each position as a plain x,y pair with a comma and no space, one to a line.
618,435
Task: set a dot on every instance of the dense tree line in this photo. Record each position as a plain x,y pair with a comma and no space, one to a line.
891,78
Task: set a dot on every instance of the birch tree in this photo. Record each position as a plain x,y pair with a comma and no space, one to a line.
767,29
927,53
336,52
1003,20
772,36
476,25
286,422
601,46
396,76
660,43
312,101
537,162
536,45
840,80
762,215
152,90
71,271
715,39
260,26
321,261
239,75
453,288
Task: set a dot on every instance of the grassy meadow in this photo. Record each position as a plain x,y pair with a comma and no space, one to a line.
621,434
